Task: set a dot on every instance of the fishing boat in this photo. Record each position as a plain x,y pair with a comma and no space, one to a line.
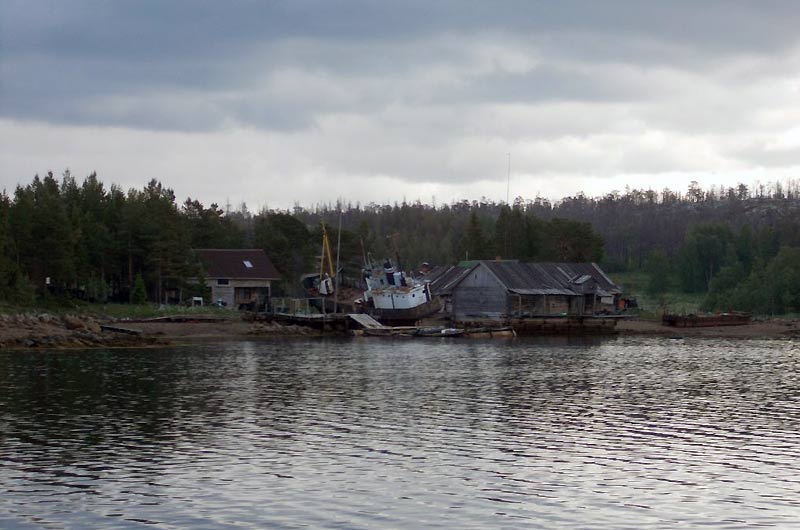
392,296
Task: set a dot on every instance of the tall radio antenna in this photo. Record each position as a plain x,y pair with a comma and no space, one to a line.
508,182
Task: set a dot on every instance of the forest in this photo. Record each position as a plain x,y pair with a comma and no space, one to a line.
62,238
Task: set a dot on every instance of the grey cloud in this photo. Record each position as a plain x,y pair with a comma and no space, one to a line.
408,67
761,155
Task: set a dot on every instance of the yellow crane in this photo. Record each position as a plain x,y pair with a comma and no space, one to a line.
325,277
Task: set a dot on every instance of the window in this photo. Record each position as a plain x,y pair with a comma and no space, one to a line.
222,281
247,264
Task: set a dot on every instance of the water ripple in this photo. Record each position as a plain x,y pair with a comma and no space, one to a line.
550,433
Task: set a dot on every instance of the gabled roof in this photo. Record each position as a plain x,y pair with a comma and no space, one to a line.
252,264
577,270
443,278
529,278
546,278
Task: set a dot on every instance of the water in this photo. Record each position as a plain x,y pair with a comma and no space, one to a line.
370,433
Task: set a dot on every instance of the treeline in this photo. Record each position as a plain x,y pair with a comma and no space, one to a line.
67,239
736,244
92,241
64,238
745,270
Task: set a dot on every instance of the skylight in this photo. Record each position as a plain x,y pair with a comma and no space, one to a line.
247,264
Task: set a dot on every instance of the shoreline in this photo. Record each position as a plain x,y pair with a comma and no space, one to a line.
37,331
772,328
45,331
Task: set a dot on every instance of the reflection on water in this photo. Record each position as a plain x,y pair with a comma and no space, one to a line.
404,434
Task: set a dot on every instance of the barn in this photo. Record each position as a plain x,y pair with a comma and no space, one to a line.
500,290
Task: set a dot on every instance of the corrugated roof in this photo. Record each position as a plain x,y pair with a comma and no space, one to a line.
538,276
237,263
548,292
589,269
546,278
444,278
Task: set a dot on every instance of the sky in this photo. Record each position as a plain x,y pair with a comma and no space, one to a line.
303,102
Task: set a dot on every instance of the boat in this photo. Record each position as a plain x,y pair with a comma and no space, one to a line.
710,320
392,296
410,331
438,332
491,332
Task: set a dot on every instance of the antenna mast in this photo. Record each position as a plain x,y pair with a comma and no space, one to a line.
508,181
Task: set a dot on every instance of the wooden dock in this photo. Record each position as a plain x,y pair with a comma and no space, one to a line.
118,329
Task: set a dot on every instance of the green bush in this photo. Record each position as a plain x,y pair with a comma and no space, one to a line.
139,293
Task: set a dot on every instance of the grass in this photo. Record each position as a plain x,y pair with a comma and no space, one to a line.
634,284
115,311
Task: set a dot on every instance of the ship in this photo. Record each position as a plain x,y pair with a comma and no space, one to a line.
392,296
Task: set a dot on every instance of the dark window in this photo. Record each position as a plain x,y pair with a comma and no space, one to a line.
222,281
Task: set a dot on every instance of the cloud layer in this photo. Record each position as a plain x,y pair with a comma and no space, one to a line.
283,102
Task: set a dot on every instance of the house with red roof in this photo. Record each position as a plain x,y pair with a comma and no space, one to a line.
239,278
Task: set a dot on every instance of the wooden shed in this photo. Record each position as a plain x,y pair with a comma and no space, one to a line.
499,290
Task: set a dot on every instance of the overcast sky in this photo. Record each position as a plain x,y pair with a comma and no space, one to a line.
274,103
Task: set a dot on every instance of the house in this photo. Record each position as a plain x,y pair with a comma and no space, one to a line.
240,278
500,290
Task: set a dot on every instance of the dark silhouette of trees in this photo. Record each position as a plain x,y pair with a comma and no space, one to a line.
91,241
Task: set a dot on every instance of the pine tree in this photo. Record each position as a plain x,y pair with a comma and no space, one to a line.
139,292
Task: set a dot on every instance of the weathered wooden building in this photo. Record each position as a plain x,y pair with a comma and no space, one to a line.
501,290
442,280
240,278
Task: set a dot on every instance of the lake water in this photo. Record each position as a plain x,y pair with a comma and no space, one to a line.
372,433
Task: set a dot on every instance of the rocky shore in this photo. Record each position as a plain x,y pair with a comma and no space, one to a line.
43,330
48,331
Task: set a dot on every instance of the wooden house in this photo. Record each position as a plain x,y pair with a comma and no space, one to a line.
442,280
501,290
239,278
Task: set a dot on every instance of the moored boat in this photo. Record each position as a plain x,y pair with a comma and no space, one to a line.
490,333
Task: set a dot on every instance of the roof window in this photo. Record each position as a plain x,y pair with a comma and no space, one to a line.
247,264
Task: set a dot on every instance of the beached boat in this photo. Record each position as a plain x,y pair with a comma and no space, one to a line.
711,320
392,296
